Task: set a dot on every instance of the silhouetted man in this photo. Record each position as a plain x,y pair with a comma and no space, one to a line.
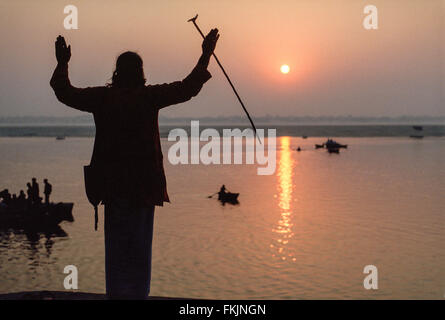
47,190
127,160
7,197
21,198
221,192
35,191
15,201
29,192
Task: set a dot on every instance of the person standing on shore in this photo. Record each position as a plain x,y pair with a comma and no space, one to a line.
127,160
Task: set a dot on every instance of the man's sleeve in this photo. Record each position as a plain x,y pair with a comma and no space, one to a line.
163,95
84,99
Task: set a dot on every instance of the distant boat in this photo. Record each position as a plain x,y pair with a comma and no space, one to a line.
304,137
298,149
331,144
36,215
228,197
60,138
318,146
333,150
417,136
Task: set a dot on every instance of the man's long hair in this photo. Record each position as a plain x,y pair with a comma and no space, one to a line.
129,72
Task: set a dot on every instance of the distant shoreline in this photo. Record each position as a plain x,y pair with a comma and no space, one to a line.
87,119
311,130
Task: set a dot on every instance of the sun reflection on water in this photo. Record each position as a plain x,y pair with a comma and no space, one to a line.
283,229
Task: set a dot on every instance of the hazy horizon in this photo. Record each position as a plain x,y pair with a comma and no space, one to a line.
85,118
337,67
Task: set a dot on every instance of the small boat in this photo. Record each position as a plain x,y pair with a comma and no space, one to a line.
39,215
60,138
298,149
319,146
334,144
229,197
333,150
304,137
415,135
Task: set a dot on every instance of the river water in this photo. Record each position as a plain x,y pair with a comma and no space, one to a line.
305,232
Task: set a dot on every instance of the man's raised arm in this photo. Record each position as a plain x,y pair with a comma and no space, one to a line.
81,99
163,95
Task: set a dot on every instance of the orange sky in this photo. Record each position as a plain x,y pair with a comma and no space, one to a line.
337,67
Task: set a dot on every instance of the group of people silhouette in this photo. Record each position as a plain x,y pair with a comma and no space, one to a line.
32,196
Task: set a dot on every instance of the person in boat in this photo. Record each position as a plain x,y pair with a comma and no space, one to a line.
29,193
222,192
47,190
21,199
126,171
6,197
35,191
15,203
21,196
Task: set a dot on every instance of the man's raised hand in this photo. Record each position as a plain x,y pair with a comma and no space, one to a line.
209,43
63,53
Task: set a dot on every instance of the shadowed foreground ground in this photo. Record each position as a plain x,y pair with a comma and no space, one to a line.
63,295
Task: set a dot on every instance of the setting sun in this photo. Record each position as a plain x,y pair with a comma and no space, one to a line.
285,68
